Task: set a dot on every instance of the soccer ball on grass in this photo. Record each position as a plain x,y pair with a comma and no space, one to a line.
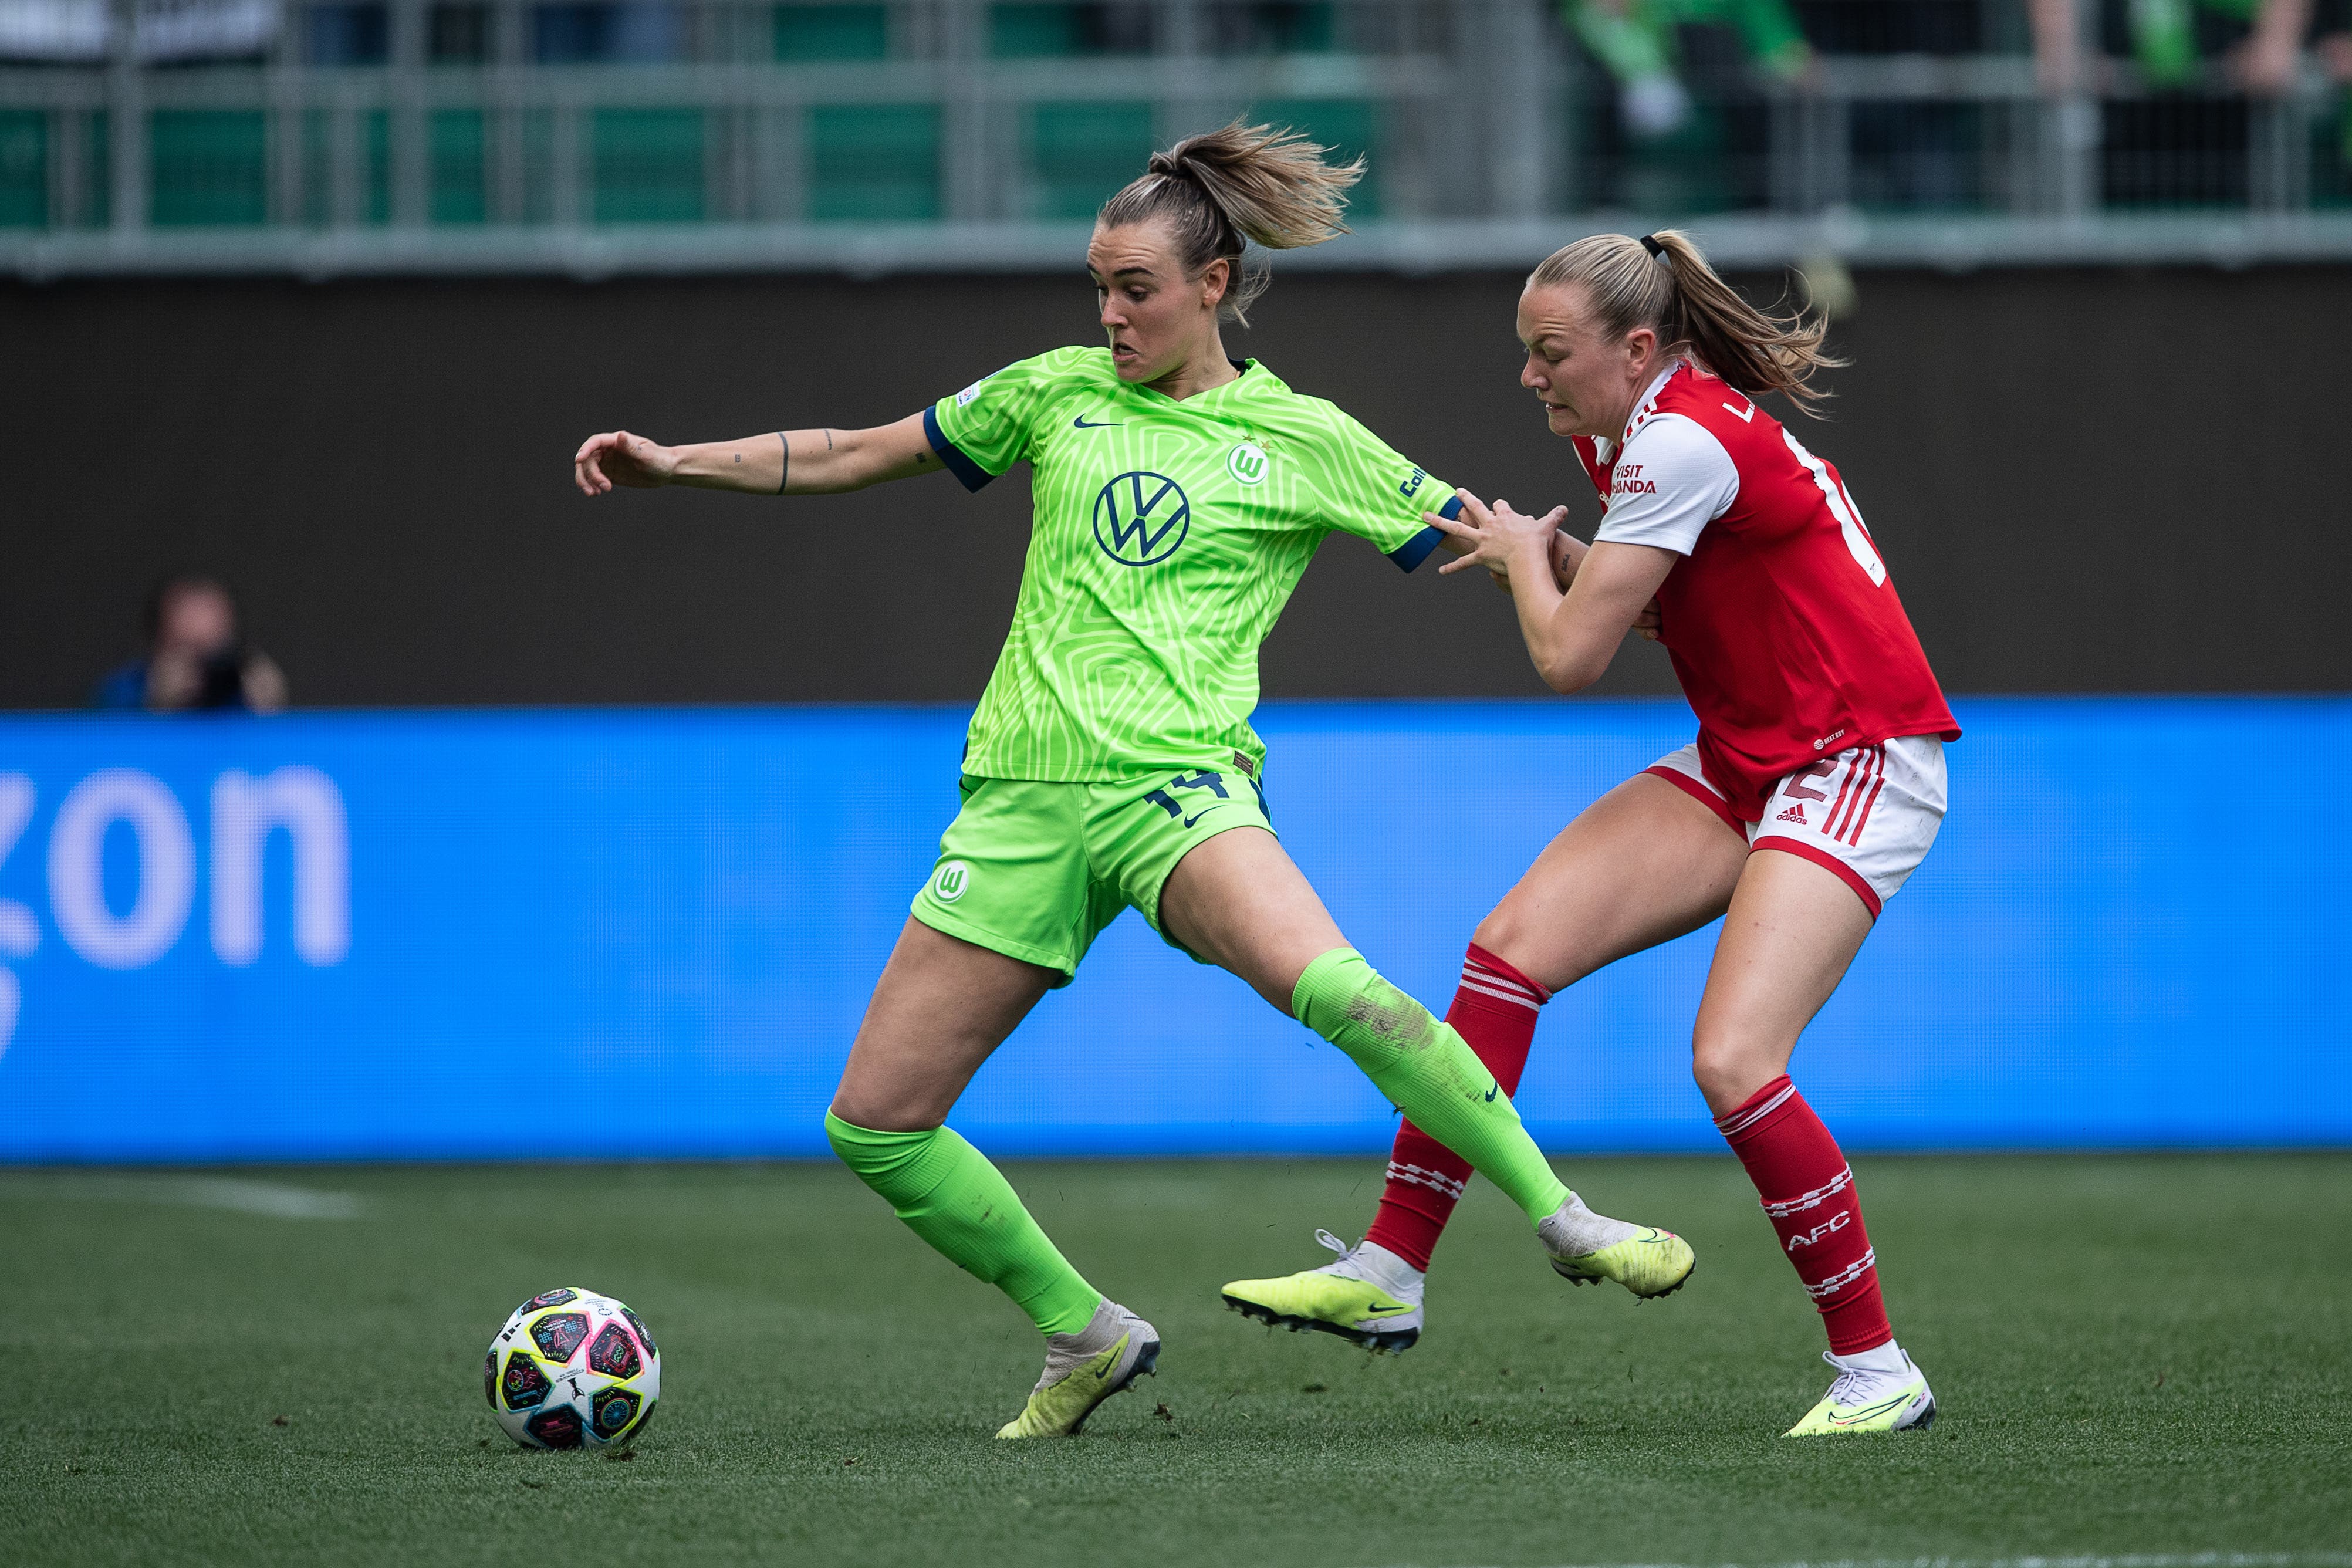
573,1369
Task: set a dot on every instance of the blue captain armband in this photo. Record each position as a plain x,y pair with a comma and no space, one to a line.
971,474
1416,551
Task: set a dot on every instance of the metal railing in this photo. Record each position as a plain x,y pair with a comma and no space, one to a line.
472,137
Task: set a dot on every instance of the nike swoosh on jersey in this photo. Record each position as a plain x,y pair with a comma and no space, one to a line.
1198,815
1096,424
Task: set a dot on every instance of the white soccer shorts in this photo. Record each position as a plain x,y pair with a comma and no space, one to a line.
1870,814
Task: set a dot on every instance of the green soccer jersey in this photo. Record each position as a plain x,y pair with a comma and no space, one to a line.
1167,537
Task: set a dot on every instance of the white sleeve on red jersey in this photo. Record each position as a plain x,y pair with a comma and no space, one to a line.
1672,479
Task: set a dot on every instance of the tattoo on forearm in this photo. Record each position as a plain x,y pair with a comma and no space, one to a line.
828,440
785,478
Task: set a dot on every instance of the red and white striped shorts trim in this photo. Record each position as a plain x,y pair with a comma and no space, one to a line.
1423,1176
1491,982
1870,814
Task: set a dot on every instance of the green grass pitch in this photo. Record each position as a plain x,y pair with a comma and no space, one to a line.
2137,1356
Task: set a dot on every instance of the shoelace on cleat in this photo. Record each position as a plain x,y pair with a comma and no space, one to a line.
1845,1390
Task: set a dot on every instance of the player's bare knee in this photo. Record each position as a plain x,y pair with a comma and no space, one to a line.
1504,932
883,1113
887,1101
1729,1068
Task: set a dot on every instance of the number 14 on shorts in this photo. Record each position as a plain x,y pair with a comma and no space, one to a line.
1211,783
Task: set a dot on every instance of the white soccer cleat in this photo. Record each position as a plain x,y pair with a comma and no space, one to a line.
1368,1296
1876,1391
1587,1248
1084,1369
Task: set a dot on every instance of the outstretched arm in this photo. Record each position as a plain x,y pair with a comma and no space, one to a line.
1571,635
791,462
1568,554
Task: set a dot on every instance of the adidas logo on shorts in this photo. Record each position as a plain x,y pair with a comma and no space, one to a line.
1794,814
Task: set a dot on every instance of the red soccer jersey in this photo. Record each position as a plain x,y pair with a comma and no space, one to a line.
1785,632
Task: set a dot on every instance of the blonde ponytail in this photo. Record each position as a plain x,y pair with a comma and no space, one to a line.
1664,283
1239,183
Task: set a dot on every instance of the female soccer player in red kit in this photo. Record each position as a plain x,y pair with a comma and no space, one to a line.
1814,789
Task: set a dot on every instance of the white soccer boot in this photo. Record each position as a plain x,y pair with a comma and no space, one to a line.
1880,1390
1084,1369
1587,1248
1369,1297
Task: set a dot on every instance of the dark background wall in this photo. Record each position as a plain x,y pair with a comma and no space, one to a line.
2095,480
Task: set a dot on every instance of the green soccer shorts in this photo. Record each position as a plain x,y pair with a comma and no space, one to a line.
1035,870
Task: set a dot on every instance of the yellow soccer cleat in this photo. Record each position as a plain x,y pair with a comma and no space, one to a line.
1084,1369
1868,1399
1369,1297
1587,1248
1650,1263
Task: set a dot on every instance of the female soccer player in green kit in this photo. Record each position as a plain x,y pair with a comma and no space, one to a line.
1178,495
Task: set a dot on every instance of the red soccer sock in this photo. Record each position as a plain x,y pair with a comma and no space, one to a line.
1808,1193
1494,1011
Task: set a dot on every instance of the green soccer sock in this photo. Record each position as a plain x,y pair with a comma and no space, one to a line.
950,1194
1429,1072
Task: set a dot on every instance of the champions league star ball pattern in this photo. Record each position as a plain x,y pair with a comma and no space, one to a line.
573,1370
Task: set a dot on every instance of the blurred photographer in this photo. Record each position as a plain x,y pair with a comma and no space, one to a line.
195,660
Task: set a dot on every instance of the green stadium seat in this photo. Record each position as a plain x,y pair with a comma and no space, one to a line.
208,167
647,165
2331,158
1080,154
317,170
1025,30
24,168
874,164
316,200
375,166
1686,172
833,32
461,190
98,170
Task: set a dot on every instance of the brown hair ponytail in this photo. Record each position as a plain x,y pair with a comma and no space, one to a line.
1663,282
1241,182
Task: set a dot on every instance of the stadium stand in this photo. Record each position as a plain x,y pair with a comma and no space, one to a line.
227,135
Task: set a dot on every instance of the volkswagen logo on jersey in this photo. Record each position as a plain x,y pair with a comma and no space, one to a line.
1141,519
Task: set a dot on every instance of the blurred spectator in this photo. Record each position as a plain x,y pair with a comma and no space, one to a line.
195,660
2169,40
2272,56
2187,140
1903,27
2271,60
2335,51
1910,155
2336,41
1692,114
1641,43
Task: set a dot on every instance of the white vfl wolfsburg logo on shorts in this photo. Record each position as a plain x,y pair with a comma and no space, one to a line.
949,883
